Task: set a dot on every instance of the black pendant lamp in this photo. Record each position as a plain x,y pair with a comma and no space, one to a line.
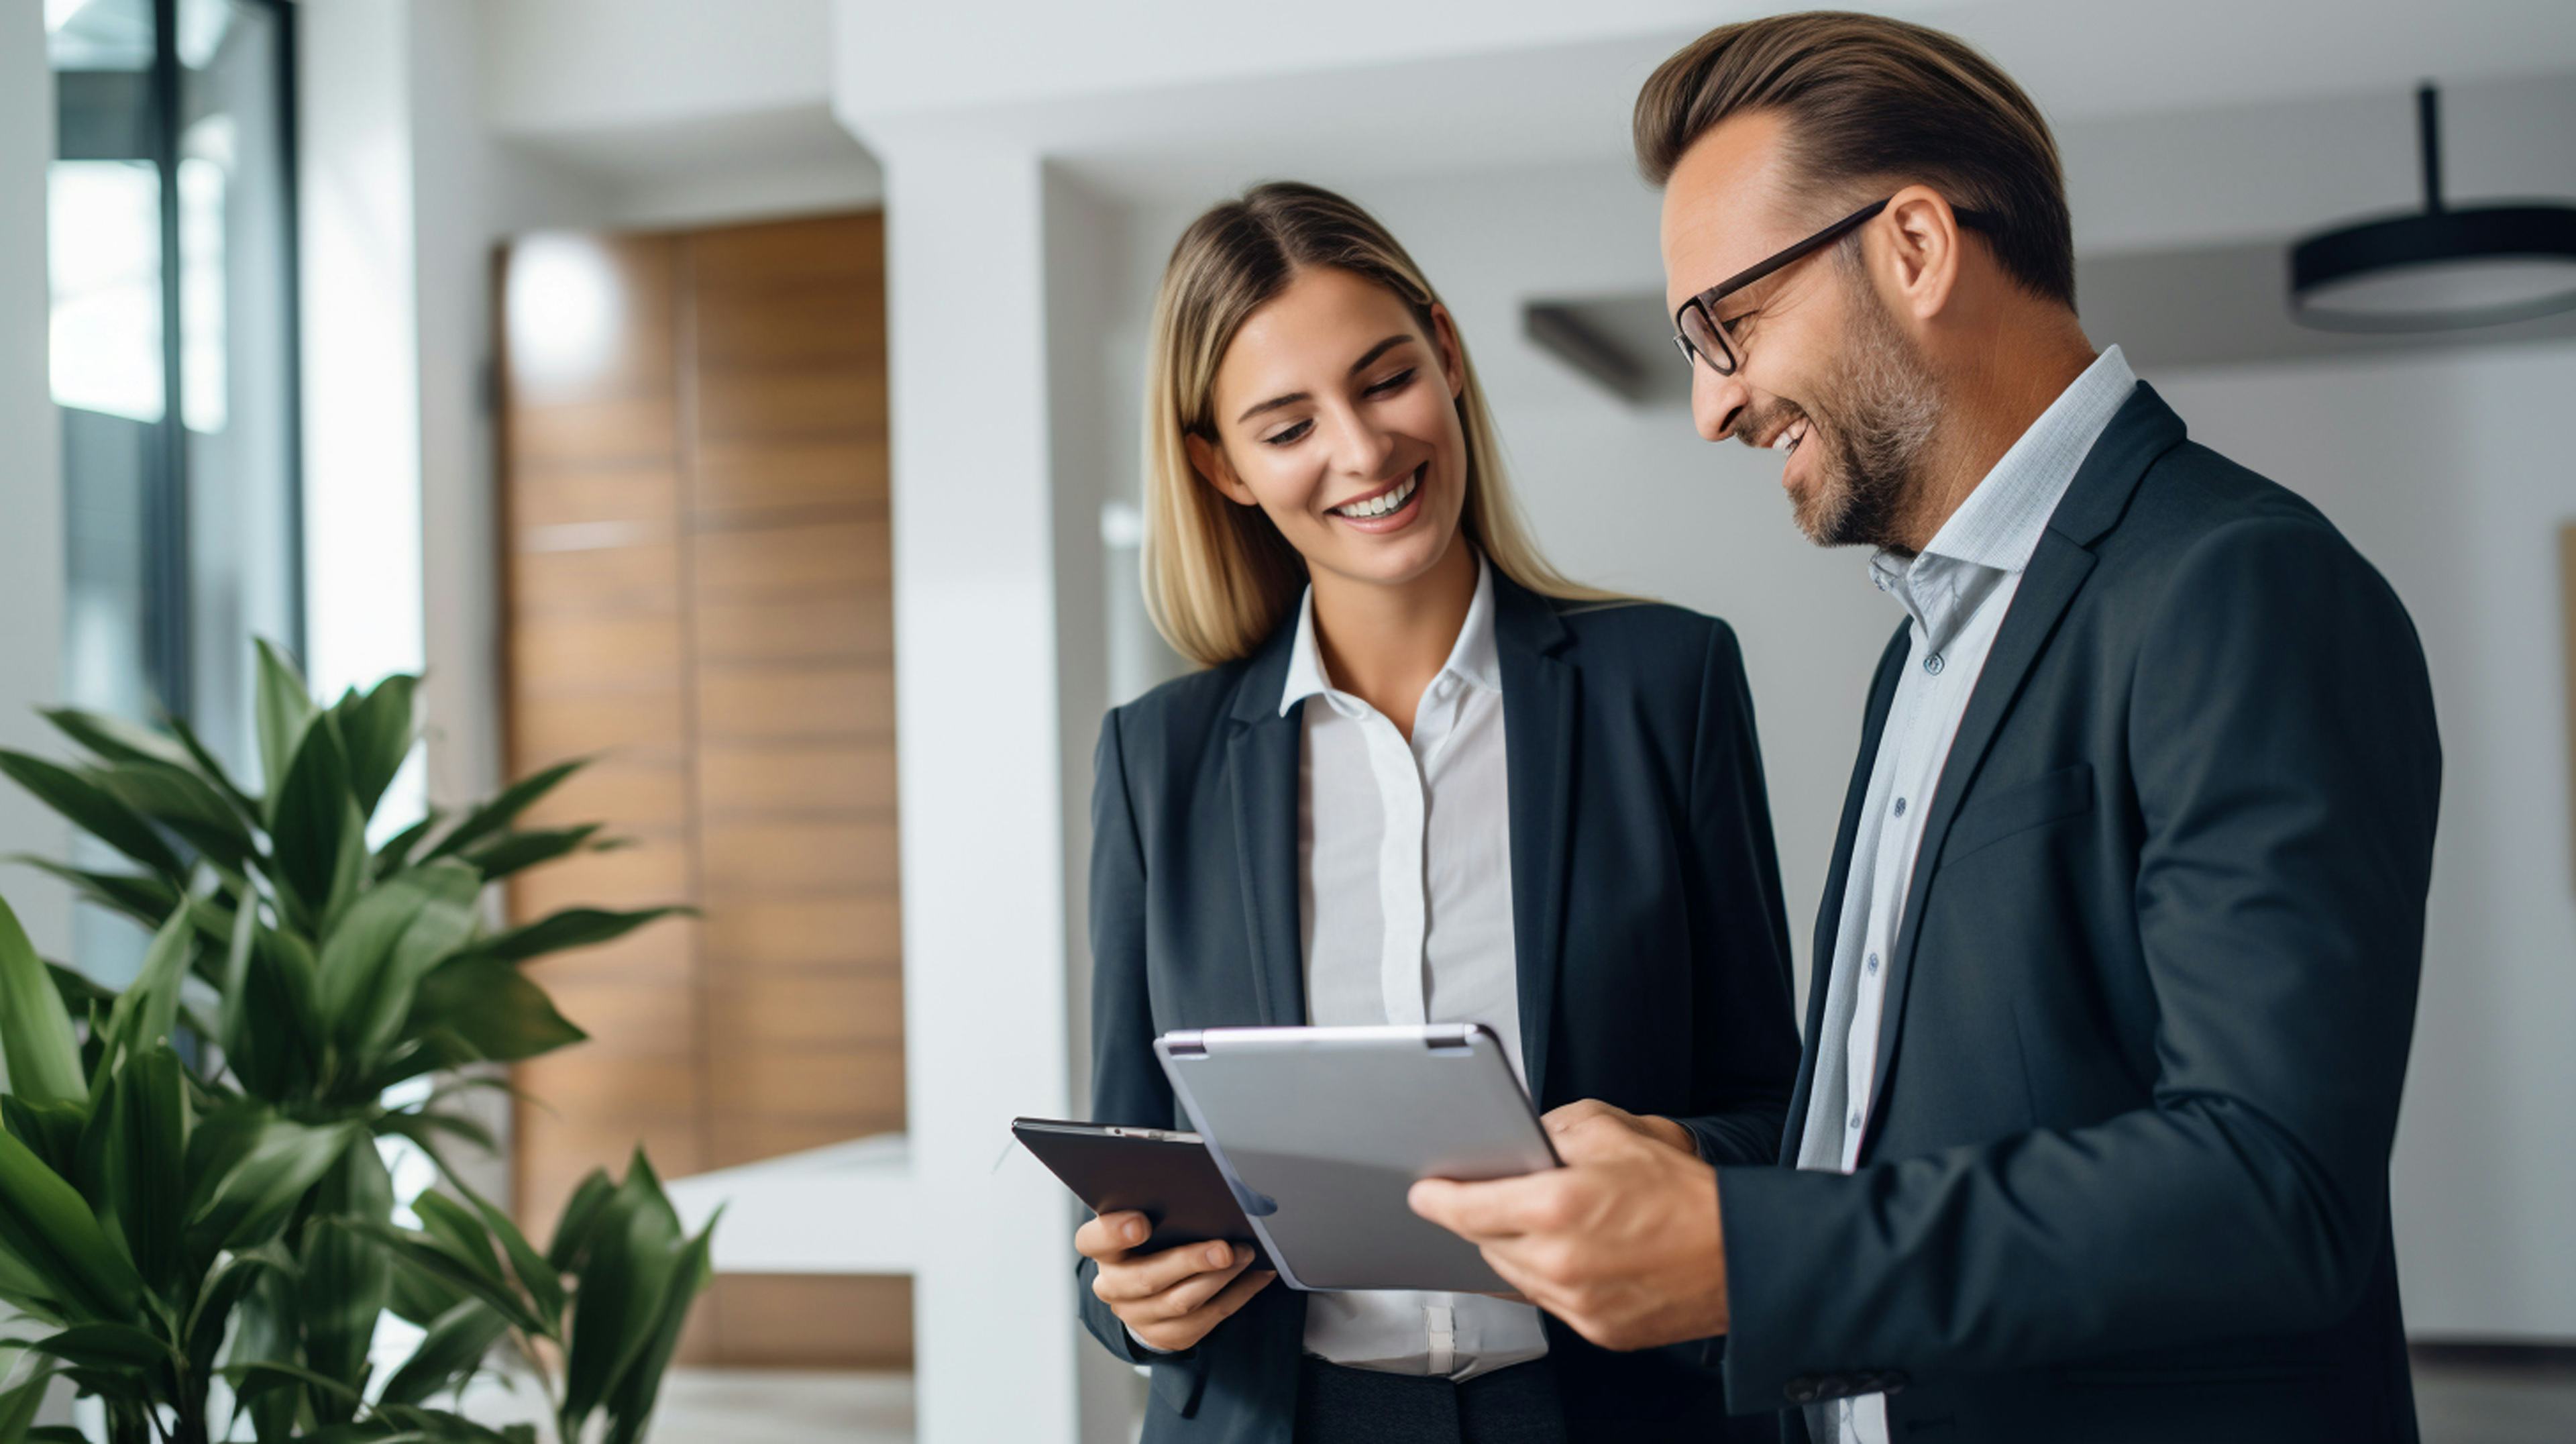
2442,269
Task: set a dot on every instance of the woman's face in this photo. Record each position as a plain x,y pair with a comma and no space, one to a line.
1337,415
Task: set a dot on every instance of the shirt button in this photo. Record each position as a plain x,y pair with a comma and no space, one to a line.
1900,807
1855,1119
1932,664
1873,965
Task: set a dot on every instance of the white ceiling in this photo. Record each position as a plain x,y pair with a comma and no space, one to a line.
1161,96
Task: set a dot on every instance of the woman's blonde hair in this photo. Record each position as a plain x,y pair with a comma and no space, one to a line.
1219,578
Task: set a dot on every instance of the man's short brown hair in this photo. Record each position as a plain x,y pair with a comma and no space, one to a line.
1871,100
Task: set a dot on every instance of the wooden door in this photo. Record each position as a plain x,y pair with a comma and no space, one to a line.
693,503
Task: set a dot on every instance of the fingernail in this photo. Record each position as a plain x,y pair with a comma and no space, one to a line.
1135,1230
1220,1256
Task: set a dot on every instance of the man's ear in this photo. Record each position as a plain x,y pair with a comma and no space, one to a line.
1923,250
1208,460
1444,340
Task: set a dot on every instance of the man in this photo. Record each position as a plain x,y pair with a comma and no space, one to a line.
2116,965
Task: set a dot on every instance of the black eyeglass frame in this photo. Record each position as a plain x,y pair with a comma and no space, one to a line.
1704,305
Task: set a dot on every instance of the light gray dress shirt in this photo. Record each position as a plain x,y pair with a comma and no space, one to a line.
1405,911
1957,594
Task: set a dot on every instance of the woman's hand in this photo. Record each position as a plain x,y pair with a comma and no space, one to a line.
1662,1130
1169,1298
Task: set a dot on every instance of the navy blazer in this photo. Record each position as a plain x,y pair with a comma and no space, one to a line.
2125,1174
1652,945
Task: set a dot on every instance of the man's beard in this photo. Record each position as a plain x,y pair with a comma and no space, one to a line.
1876,420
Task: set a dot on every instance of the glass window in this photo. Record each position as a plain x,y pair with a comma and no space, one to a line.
171,240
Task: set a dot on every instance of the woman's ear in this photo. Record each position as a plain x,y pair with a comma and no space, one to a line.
1444,339
1208,460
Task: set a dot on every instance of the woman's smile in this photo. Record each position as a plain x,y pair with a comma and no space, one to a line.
1392,507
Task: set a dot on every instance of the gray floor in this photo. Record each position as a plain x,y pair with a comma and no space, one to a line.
2457,1403
2463,1403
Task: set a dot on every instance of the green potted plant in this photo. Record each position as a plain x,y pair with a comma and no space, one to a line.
191,1191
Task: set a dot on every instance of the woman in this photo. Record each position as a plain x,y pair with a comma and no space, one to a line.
1424,778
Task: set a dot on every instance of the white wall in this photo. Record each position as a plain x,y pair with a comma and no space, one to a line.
549,65
2452,474
31,487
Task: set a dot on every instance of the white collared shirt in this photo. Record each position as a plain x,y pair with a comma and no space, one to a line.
1957,594
1405,911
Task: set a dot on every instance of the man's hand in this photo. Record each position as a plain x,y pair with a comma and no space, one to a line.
1662,1130
1623,1243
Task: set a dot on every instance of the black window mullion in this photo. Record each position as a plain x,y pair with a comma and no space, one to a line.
166,501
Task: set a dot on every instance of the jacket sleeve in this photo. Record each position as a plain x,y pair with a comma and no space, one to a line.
1743,1013
1127,1086
2286,765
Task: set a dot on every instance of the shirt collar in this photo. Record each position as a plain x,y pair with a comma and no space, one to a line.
1472,658
1997,529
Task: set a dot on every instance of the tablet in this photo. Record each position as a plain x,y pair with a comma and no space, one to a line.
1164,1175
1321,1131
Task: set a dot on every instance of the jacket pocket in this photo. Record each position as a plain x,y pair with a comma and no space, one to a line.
1989,817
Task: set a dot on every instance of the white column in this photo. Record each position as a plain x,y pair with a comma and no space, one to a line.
981,738
362,446
31,483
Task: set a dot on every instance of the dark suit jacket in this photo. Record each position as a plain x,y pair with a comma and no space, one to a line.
1653,948
2126,1170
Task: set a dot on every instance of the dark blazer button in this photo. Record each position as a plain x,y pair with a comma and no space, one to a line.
1894,1380
1802,1390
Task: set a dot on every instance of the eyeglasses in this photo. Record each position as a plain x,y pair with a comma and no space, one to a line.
1696,329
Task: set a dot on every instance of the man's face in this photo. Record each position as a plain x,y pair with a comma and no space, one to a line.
1828,377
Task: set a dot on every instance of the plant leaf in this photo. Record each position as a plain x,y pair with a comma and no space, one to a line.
39,1053
505,807
433,1258
630,1403
19,1405
222,1293
51,1129
211,767
491,1007
396,853
570,928
313,817
374,960
634,1249
449,1353
580,1213
251,1168
347,1279
146,1012
183,802
49,1237
423,1298
136,1149
114,738
145,898
279,1052
285,710
94,810
106,1346
378,730
537,1278
77,989
423,1128
518,851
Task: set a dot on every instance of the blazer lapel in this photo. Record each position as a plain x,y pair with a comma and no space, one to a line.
1829,912
2144,429
1261,772
1539,737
